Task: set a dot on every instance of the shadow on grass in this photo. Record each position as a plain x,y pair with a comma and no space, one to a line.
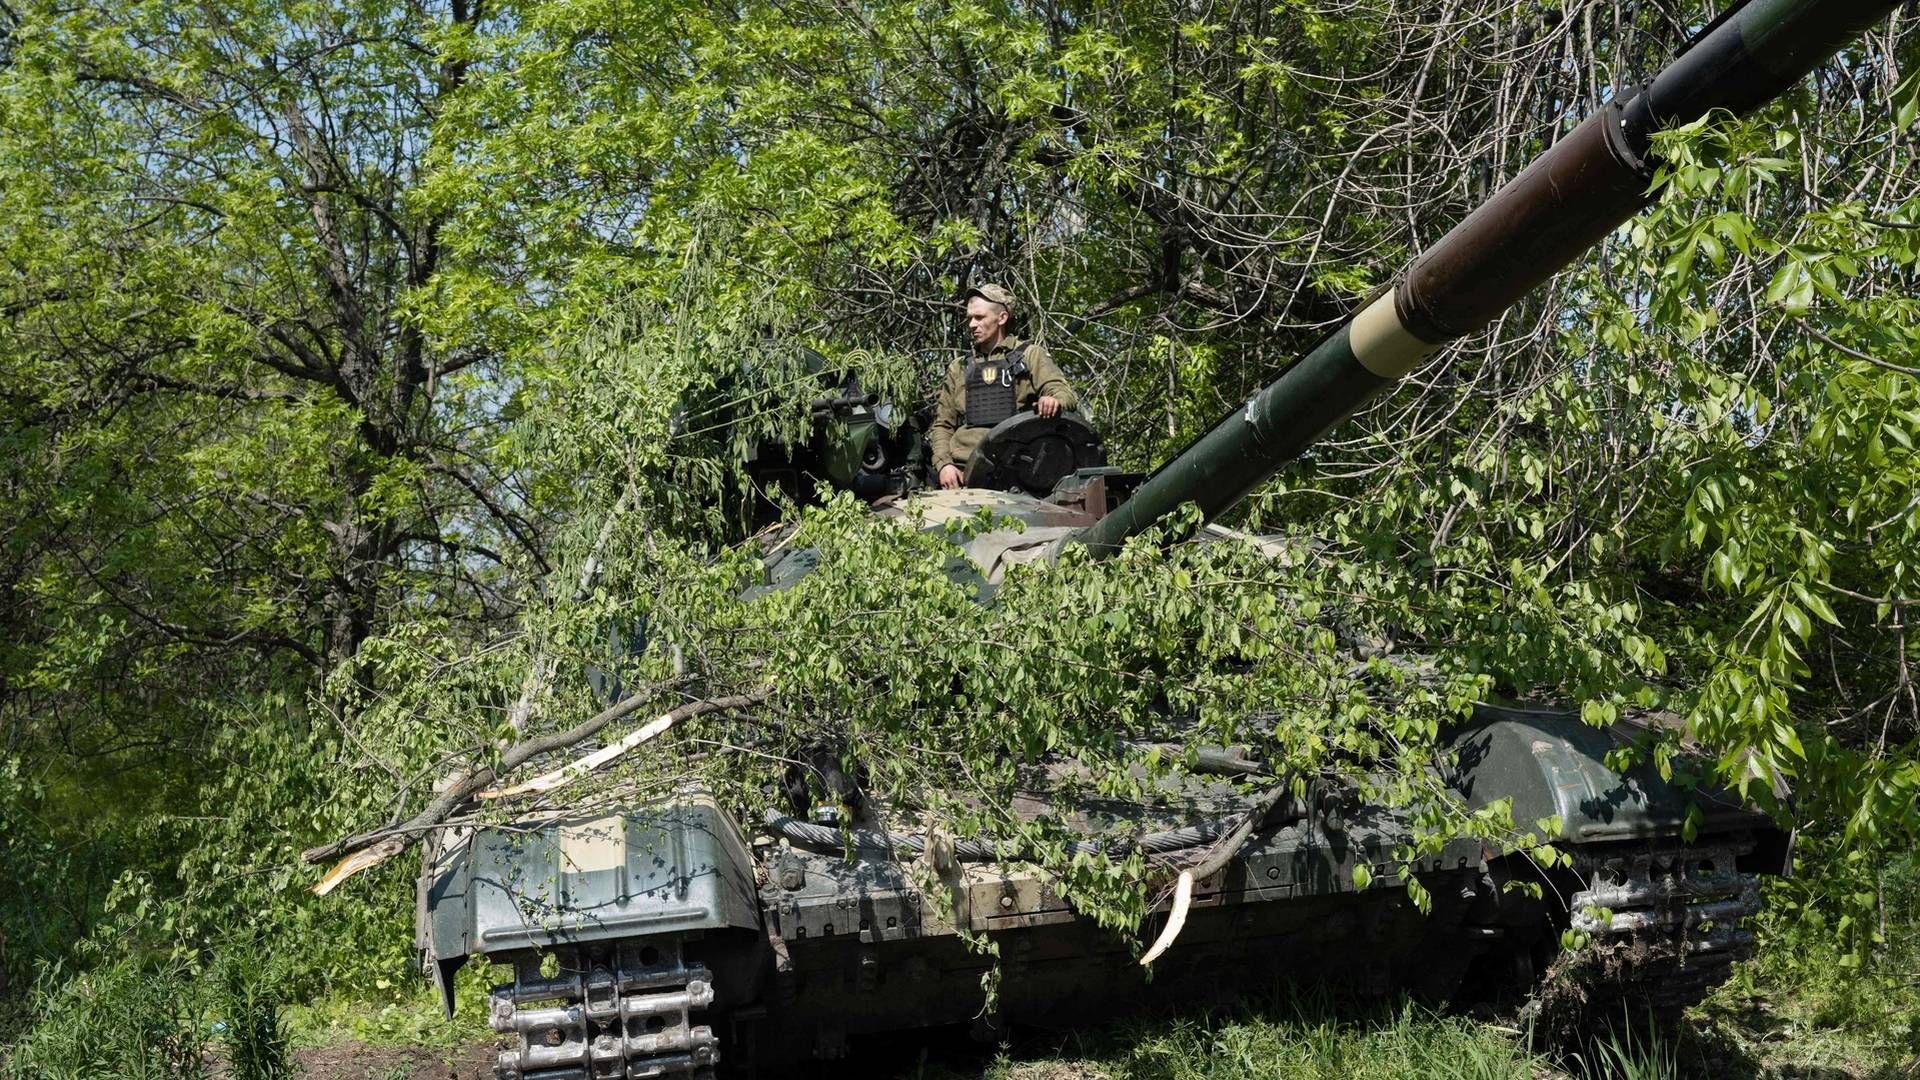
1311,1033
1731,1042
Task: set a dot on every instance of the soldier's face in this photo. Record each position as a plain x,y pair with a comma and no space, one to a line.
986,320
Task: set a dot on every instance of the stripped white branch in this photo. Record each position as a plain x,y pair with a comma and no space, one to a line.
652,729
364,859
1176,918
1215,861
575,769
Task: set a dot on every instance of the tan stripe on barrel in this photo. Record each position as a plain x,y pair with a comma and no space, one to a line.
1382,345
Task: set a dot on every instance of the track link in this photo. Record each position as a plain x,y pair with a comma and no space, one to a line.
619,1011
1664,929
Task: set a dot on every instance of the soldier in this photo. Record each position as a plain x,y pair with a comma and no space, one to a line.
1004,376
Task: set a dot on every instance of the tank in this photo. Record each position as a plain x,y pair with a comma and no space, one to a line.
676,939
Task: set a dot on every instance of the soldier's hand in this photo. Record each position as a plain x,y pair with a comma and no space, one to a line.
1047,406
949,476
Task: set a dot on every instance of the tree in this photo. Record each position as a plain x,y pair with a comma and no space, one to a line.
240,437
339,340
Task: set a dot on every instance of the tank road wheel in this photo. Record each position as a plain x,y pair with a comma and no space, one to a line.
622,1010
1663,927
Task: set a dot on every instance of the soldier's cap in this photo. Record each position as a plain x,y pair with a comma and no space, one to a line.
993,294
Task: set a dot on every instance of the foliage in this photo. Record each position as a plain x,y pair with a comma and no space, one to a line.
35,863
1800,499
128,1015
146,1012
882,655
1808,998
1185,197
1697,499
235,425
340,340
248,997
396,1010
230,444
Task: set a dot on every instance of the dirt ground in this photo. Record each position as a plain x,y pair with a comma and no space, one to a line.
356,1061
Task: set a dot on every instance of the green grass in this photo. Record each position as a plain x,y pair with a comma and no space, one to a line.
1806,1004
403,1015
1308,1038
1796,1013
1280,1038
1803,1008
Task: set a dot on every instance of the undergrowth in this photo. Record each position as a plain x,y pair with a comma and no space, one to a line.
396,1014
1808,1001
1808,1004
1311,1039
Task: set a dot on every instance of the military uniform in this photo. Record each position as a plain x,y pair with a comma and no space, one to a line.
981,391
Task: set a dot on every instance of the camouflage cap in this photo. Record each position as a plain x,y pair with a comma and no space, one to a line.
993,294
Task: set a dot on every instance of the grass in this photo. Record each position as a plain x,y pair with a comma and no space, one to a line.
1309,1037
131,1017
1802,1009
1796,1011
403,1015
1794,1014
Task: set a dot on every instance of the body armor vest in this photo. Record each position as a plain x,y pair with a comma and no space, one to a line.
991,394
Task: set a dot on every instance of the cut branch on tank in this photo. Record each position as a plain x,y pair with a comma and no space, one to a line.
367,850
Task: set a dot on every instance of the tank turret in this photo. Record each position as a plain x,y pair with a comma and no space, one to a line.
1571,196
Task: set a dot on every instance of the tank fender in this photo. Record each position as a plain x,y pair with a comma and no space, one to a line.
673,867
1552,764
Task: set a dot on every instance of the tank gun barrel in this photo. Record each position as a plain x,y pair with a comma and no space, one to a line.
1563,203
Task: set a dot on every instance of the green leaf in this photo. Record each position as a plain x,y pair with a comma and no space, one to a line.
1906,100
1796,620
1816,604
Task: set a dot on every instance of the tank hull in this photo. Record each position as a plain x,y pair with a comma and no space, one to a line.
663,940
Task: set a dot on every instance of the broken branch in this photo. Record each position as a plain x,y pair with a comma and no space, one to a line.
369,849
474,778
1176,918
575,769
1215,861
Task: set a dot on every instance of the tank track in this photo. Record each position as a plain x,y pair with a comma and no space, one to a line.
616,1011
1663,923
